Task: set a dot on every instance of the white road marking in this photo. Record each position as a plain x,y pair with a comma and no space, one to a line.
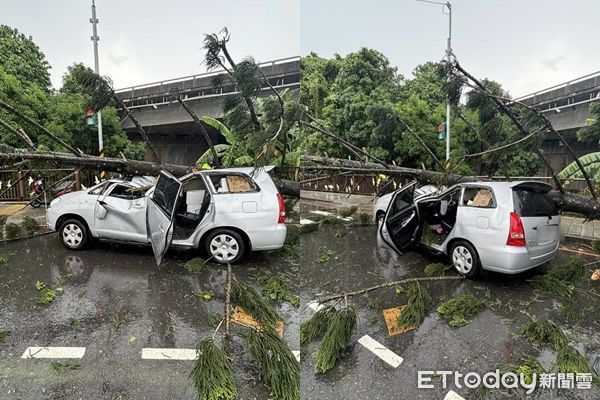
296,354
54,352
315,306
306,221
452,395
381,351
168,354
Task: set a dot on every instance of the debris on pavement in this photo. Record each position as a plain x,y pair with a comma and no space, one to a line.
391,315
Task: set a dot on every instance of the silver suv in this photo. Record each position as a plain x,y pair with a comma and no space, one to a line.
507,227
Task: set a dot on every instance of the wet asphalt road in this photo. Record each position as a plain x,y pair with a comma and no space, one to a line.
158,308
486,343
109,283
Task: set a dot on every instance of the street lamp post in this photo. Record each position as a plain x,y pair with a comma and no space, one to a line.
95,39
445,6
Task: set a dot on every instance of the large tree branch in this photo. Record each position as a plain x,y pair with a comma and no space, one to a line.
123,166
19,134
504,108
421,143
354,149
138,127
203,130
549,127
51,135
570,202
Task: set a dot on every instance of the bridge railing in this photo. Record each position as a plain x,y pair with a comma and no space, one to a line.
200,75
578,91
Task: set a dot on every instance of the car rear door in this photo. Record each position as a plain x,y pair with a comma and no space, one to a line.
401,226
539,216
160,214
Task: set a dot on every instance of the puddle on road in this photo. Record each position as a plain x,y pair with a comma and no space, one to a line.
109,285
336,259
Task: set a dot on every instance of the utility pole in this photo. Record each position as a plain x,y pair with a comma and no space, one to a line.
445,6
449,58
95,39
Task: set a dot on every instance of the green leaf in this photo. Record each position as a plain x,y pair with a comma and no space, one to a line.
218,125
590,163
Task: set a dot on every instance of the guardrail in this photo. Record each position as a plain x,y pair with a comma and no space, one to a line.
560,85
201,75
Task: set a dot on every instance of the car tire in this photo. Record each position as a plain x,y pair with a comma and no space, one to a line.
379,217
465,259
225,246
73,234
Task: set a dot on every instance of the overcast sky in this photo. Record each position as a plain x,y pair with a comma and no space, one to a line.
149,40
526,45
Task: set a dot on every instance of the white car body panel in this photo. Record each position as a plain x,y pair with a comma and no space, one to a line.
487,230
254,213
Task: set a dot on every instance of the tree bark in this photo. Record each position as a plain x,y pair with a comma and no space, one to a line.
203,130
51,135
504,108
570,202
123,166
138,127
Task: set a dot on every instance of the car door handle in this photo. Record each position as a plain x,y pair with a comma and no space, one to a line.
534,228
162,230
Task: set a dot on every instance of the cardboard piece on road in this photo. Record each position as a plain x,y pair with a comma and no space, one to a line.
391,316
240,317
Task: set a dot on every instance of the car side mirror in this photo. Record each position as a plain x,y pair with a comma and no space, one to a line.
101,210
443,207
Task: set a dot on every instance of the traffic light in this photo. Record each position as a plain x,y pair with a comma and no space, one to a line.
90,117
441,130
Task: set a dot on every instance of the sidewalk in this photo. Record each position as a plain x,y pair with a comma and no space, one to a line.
573,227
16,212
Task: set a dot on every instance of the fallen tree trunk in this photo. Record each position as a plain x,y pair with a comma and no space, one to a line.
123,166
570,202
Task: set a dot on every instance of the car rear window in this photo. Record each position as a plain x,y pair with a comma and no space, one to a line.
533,204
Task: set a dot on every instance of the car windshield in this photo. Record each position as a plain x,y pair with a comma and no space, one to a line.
532,204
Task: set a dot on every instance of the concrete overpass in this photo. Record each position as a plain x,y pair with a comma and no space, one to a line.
567,106
171,129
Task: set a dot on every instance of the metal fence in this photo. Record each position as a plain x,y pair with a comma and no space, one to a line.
17,185
349,183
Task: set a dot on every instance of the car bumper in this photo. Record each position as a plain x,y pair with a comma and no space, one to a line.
271,240
514,260
52,218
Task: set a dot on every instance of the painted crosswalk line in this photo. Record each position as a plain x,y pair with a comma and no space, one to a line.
54,352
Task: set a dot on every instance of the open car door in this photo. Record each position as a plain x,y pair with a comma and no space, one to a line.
401,226
160,214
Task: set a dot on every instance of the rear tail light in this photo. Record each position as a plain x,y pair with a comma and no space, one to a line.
516,233
281,219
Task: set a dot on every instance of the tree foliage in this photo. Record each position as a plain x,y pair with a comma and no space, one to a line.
23,59
25,85
364,100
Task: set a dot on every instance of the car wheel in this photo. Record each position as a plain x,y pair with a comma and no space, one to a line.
36,203
465,259
225,246
379,217
73,234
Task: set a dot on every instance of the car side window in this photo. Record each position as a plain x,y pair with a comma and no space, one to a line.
232,183
403,200
125,192
479,197
99,189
